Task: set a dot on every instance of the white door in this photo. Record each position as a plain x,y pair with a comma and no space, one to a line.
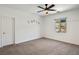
7,31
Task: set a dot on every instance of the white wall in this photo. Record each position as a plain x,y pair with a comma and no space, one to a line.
72,34
23,30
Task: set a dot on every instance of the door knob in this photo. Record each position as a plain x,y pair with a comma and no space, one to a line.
4,33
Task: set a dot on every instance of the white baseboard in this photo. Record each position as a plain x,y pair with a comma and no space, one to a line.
27,40
49,37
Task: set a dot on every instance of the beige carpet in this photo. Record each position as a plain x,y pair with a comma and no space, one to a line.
41,46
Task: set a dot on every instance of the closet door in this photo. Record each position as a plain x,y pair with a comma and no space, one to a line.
7,32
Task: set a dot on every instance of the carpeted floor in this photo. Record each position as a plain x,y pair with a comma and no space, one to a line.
41,46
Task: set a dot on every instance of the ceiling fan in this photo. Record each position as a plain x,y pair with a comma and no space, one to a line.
47,8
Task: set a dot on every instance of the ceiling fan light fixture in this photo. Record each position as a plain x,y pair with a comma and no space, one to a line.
46,12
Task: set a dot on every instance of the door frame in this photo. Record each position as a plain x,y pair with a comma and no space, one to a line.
13,30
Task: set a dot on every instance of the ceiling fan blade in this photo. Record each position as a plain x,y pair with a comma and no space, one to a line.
51,9
40,11
40,7
51,6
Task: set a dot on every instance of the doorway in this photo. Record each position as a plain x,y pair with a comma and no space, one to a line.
7,29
